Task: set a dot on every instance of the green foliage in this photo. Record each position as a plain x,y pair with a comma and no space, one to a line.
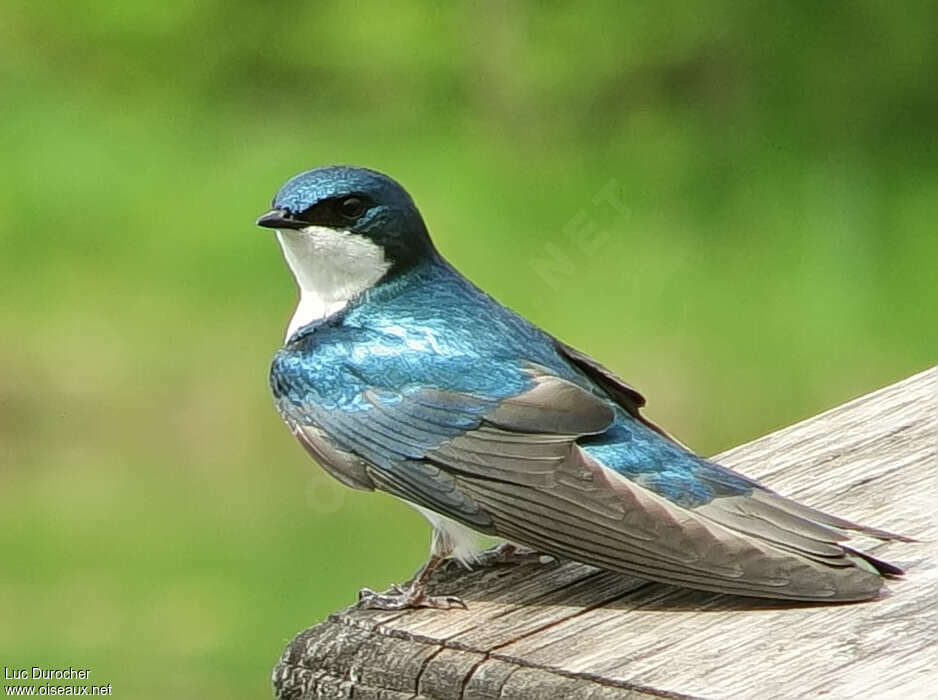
776,256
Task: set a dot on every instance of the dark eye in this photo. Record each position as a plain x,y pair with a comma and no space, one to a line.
351,207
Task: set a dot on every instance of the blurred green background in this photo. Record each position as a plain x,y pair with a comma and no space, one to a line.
779,167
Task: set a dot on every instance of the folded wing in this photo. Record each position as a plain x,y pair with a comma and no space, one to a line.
512,466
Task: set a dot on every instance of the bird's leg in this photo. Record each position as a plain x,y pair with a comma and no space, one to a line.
413,594
508,553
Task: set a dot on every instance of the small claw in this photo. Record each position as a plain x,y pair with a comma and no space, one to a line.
378,601
365,595
411,595
507,553
452,601
402,599
439,602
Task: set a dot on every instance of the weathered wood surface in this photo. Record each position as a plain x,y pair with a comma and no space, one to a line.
545,631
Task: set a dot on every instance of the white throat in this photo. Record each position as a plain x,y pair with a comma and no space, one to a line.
331,267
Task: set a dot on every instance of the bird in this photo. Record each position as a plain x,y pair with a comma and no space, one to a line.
399,374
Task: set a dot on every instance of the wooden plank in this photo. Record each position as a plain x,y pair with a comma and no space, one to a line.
556,630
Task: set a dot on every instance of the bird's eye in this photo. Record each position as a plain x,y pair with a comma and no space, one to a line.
351,207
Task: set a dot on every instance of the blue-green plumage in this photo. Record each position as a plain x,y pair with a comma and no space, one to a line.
408,378
430,327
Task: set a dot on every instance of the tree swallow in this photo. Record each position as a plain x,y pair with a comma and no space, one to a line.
399,374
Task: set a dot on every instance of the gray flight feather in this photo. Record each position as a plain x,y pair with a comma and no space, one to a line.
521,475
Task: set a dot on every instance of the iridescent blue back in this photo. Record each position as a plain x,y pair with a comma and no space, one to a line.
430,327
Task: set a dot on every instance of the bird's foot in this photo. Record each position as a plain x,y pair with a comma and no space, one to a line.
401,598
508,553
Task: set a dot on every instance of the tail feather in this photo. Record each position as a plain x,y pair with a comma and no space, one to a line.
806,533
883,568
813,514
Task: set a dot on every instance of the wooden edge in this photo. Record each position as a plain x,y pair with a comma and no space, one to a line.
410,654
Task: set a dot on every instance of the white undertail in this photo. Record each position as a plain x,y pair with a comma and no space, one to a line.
466,543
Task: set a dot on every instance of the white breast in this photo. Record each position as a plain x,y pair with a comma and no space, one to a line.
331,267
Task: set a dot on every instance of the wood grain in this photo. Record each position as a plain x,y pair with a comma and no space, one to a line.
544,631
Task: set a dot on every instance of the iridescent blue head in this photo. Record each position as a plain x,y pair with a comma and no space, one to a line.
357,200
344,231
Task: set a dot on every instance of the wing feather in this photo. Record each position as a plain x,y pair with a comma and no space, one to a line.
512,466
657,539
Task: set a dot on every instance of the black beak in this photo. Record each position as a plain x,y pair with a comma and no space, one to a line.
278,218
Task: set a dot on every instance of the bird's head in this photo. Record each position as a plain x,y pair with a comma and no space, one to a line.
343,230
351,202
